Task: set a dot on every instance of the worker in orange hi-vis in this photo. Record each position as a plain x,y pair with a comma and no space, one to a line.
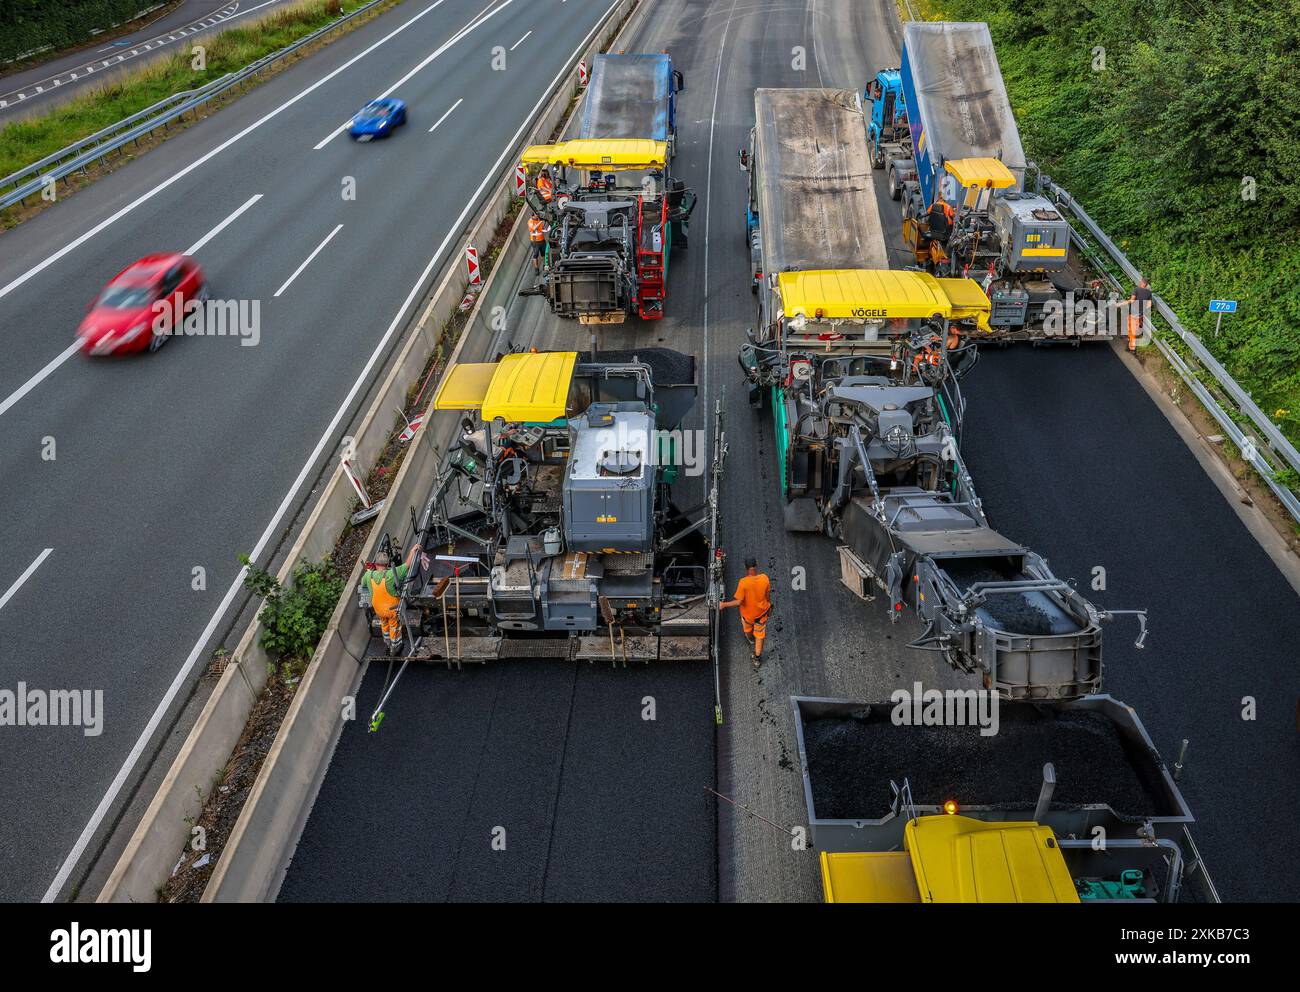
754,597
537,237
545,187
1139,306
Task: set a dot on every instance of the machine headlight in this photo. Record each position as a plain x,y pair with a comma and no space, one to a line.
134,332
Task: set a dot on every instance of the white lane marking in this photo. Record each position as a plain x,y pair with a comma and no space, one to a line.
194,248
24,577
71,350
39,377
708,196
520,41
164,704
477,21
307,261
446,115
181,174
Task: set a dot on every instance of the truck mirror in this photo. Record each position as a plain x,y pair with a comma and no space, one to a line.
679,80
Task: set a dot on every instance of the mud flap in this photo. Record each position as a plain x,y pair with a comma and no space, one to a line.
802,515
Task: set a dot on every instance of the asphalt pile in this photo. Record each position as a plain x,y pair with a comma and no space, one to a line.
667,367
1012,612
852,759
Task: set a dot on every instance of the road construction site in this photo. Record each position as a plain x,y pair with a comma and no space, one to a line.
543,779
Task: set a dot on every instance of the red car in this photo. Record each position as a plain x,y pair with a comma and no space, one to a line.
140,307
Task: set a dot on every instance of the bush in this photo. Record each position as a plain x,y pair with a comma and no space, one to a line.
294,619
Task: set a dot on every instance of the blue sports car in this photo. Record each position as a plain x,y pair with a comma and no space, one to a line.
378,118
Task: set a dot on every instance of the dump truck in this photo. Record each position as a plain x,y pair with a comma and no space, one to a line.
553,518
1066,802
632,96
943,130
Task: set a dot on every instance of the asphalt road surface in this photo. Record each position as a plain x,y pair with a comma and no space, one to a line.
180,460
1071,457
59,78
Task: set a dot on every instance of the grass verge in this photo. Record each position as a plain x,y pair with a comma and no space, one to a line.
25,141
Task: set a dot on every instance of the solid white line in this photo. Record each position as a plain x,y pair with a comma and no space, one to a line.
181,174
146,735
477,21
39,377
446,115
520,41
307,261
708,198
194,248
24,577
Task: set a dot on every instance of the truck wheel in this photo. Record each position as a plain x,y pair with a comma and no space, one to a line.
877,156
895,192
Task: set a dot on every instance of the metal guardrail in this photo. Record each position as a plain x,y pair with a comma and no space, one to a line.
1260,441
76,157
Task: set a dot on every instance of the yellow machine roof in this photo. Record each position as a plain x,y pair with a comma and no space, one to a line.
988,172
609,154
532,387
877,294
957,859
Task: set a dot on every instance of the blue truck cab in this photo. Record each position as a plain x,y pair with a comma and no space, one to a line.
887,123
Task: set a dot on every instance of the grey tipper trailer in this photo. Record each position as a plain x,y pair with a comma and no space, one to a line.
1086,768
812,203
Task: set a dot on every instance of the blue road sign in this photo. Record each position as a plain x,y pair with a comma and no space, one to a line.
1223,306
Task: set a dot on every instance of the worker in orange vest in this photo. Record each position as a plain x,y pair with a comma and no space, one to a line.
537,235
545,187
383,584
1139,305
754,597
939,220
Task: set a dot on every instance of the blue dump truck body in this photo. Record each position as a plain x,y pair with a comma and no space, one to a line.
631,96
957,104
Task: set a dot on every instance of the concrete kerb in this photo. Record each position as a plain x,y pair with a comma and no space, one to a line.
259,848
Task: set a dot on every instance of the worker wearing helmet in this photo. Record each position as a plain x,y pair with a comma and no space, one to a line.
383,584
754,597
537,236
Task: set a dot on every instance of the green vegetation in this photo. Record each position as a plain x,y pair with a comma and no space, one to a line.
26,141
1178,128
294,619
28,25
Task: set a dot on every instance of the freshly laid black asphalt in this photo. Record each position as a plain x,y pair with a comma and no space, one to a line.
519,781
1072,458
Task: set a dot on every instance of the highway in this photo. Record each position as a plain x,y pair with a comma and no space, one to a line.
58,78
1071,457
137,472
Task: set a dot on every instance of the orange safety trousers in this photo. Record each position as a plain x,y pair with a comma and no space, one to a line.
384,603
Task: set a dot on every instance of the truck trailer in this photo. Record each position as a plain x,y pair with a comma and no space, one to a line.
941,126
861,369
1067,802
